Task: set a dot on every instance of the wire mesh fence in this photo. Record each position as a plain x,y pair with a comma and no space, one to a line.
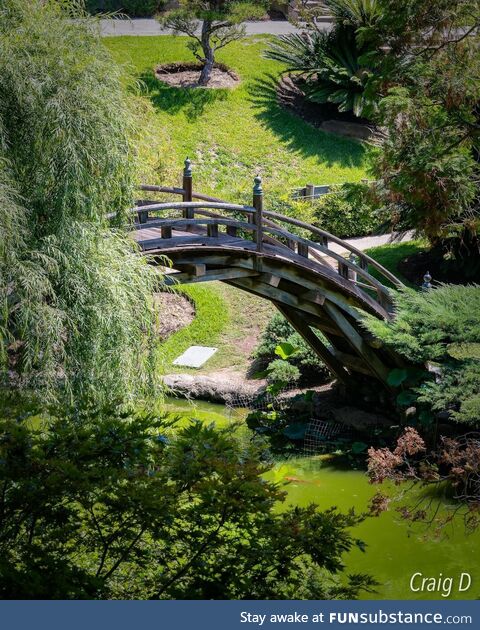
318,431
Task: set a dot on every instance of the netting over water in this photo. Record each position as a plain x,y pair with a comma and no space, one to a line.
317,431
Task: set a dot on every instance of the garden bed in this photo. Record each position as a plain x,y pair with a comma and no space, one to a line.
186,75
325,116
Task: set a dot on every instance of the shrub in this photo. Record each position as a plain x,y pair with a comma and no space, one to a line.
440,326
132,8
281,371
347,211
278,331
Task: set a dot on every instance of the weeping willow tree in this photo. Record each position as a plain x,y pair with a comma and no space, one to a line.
76,311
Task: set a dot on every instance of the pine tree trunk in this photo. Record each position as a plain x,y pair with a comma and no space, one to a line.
208,54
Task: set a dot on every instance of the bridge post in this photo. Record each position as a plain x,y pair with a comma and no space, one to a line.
258,216
187,185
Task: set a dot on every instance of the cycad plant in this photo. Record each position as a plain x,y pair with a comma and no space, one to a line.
333,66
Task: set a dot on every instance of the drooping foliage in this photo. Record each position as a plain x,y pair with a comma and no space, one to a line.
76,298
111,506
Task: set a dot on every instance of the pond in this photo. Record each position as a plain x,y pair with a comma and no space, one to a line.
395,549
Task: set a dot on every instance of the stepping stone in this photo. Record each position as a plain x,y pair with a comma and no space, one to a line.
195,356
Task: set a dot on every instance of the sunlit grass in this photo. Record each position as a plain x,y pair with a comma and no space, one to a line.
231,135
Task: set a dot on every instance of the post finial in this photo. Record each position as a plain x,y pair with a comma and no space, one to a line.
257,188
187,171
427,281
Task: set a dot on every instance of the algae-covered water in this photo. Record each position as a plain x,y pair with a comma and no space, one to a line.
396,550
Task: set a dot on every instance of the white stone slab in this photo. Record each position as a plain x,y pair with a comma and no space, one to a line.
195,356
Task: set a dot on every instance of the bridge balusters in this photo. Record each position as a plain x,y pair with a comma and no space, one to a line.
258,216
362,263
302,250
166,231
142,216
212,230
343,270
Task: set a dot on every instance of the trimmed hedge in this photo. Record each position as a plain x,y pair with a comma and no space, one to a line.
132,8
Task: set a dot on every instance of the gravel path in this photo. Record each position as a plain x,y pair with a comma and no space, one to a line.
365,242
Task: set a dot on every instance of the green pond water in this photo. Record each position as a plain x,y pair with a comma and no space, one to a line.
395,549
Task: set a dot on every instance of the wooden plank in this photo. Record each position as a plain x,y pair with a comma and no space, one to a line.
358,343
277,295
303,329
352,362
314,296
172,279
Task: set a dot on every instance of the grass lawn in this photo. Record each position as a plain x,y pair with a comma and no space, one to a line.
231,135
226,318
391,255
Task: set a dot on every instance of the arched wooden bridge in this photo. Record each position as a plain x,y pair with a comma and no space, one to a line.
296,266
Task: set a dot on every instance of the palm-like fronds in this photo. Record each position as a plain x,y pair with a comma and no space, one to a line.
331,66
355,13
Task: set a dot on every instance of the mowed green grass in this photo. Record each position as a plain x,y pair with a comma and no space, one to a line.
231,135
226,318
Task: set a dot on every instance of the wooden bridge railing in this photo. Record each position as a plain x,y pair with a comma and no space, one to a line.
266,227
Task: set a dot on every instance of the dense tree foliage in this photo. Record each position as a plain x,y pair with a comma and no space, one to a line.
221,24
77,312
109,506
427,77
440,328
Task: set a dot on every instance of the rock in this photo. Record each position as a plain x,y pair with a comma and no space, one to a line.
216,387
348,129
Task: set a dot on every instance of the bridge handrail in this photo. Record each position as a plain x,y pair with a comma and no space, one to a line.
335,239
271,228
183,205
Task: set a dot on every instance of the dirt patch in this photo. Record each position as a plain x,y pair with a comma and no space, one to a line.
324,116
186,75
176,312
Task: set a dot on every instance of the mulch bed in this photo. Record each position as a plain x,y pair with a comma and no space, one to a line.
323,115
186,75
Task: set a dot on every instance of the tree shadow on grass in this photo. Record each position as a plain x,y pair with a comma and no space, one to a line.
192,101
297,134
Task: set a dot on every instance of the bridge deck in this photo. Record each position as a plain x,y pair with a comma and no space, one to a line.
295,265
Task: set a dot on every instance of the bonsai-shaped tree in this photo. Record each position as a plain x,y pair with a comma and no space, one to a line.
211,25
